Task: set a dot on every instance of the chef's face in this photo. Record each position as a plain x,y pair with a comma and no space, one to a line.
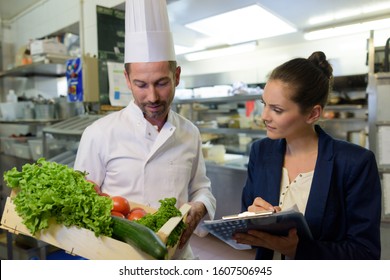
153,86
282,116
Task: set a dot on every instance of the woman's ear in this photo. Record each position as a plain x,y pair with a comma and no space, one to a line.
315,114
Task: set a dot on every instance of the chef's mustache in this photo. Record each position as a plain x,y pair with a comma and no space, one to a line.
154,103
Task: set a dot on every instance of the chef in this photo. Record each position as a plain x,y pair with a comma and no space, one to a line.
147,152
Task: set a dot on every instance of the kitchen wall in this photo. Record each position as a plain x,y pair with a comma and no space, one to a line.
347,54
48,18
41,21
55,15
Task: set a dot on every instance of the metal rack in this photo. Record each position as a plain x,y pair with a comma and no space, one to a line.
70,129
379,127
36,69
379,121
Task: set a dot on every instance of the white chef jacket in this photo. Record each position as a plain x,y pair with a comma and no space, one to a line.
126,155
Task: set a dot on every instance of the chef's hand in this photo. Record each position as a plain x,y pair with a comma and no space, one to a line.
286,245
196,213
260,204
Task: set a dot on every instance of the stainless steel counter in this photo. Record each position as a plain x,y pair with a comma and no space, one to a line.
227,181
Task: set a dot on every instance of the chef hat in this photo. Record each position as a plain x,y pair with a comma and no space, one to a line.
147,34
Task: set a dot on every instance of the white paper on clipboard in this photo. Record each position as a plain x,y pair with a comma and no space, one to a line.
119,93
384,144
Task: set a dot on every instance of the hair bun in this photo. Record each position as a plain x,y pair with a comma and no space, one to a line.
319,59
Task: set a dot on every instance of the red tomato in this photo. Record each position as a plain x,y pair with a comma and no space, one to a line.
95,186
118,214
136,213
121,205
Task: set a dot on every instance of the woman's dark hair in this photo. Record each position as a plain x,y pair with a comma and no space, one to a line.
311,78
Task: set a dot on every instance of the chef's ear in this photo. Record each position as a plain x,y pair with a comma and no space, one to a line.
127,78
177,75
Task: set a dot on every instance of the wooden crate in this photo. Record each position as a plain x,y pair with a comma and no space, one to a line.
83,242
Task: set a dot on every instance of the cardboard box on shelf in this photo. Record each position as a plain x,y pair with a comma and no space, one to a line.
48,46
83,242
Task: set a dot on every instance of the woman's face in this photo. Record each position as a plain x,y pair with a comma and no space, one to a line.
282,116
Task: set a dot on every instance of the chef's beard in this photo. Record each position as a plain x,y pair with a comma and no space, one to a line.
162,112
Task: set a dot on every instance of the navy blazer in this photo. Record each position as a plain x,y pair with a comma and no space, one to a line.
344,206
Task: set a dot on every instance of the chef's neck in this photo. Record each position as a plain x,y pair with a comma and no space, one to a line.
157,123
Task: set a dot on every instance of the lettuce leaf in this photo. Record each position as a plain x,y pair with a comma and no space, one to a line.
49,190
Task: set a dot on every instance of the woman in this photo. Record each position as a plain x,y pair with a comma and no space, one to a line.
335,184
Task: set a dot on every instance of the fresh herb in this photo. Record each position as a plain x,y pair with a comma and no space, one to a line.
156,220
47,190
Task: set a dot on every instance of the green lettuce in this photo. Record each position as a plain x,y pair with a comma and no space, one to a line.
156,220
49,190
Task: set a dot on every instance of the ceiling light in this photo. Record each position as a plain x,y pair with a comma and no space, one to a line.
348,29
182,50
200,45
344,14
242,25
236,49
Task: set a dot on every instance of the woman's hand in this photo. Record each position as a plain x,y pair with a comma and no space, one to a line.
260,204
286,245
196,213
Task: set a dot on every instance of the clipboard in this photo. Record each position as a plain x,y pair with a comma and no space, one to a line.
275,223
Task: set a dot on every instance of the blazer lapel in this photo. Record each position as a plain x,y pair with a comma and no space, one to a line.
274,172
318,196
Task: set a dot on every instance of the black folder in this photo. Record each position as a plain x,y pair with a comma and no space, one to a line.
275,223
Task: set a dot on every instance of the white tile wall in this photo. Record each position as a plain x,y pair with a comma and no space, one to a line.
54,15
45,19
348,53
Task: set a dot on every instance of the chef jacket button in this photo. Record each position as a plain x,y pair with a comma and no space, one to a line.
280,203
300,175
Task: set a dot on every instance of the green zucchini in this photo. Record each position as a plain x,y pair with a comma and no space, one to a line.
139,236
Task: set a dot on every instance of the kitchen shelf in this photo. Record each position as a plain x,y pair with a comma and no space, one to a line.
36,69
224,99
346,107
52,71
384,168
232,131
72,129
29,121
352,119
382,123
224,118
73,126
